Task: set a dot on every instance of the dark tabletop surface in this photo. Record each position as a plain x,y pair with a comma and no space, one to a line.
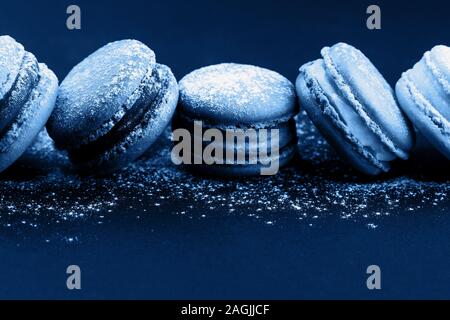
155,230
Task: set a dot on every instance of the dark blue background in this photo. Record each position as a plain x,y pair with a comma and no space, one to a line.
228,257
185,35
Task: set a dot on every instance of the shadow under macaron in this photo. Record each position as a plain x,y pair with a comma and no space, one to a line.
426,163
40,159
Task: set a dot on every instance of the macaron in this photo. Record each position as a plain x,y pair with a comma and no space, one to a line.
236,98
28,92
112,106
423,93
354,107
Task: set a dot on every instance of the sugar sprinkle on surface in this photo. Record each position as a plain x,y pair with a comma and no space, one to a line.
316,187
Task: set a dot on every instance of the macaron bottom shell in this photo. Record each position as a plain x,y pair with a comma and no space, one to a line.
285,133
270,165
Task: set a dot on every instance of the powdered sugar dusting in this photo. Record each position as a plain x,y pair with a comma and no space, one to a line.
442,57
152,124
237,93
27,79
315,188
95,91
11,55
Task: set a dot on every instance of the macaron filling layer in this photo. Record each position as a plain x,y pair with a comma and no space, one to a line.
139,109
211,123
286,131
352,100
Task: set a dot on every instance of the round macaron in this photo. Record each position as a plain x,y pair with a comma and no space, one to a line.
112,106
256,105
354,107
28,91
424,95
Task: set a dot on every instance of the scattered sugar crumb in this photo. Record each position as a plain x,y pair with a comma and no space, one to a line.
316,187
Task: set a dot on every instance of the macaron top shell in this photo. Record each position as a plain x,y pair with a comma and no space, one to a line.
93,95
237,94
11,56
371,96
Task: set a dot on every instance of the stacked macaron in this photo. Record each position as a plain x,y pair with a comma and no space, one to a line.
28,91
354,107
112,106
234,98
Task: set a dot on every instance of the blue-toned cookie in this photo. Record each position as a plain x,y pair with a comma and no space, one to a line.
355,109
112,106
28,91
229,97
424,95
